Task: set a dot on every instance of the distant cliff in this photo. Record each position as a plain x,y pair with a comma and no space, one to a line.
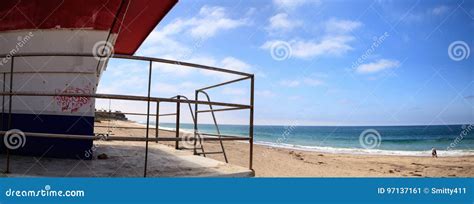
108,115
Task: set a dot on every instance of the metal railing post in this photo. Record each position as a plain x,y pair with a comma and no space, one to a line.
252,82
178,110
215,124
157,125
147,119
10,112
3,102
196,95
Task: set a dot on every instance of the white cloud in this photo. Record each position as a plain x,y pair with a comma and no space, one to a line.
313,82
440,10
281,23
231,63
182,38
264,93
377,66
234,91
300,82
295,98
235,64
172,69
211,20
335,41
293,4
341,26
335,45
305,49
290,83
161,44
168,41
168,89
118,76
122,69
123,87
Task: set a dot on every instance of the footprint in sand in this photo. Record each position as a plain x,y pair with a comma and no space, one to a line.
298,156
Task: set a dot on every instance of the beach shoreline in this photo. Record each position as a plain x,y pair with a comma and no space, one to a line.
283,162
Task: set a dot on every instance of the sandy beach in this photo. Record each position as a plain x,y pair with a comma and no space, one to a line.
280,162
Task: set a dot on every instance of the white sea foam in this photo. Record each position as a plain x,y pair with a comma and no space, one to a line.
358,151
335,150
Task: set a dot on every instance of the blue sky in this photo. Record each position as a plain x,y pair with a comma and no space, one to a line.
316,62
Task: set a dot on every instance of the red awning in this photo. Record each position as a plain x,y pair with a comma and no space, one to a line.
135,20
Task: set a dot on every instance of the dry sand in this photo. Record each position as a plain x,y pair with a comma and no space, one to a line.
278,162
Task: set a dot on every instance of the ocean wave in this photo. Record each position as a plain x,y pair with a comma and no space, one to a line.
358,151
335,150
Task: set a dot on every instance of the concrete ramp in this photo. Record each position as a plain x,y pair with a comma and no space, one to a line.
125,159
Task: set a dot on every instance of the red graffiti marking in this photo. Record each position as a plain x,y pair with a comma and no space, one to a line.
72,103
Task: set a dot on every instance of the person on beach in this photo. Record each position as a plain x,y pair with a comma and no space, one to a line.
434,153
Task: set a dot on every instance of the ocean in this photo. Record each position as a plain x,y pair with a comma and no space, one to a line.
449,140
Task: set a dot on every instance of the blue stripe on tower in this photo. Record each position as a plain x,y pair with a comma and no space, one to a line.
56,124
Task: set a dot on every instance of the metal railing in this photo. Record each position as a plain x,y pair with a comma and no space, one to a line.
199,137
214,120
